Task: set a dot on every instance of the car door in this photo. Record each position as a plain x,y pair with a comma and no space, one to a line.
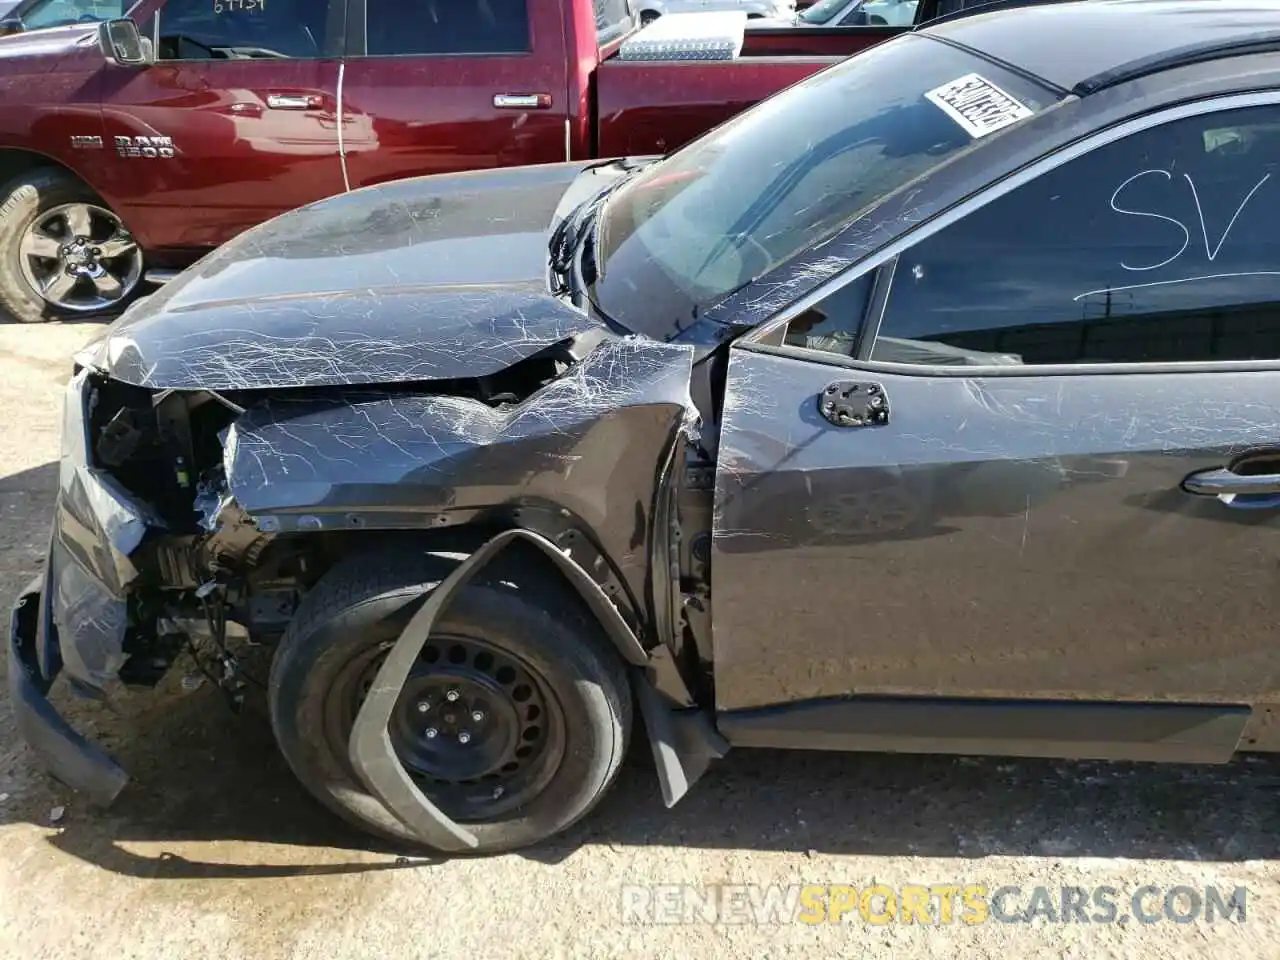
235,123
1034,456
442,86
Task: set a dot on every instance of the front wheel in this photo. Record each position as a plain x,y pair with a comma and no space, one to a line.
514,720
648,17
63,252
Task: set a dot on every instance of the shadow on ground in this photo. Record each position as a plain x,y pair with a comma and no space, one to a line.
201,774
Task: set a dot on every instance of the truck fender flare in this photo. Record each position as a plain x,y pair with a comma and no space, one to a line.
49,160
683,741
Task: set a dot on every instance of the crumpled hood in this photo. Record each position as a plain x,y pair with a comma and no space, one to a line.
429,279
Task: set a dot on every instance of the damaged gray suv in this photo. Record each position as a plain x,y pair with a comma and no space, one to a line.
932,405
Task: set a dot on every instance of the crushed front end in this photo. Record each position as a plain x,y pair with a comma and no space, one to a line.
136,572
236,435
189,520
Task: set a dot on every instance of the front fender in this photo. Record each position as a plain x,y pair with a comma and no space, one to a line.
51,106
584,455
19,153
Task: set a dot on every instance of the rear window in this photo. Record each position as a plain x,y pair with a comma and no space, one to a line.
442,27
613,19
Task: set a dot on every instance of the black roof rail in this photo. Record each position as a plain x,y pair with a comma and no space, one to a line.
989,6
1201,52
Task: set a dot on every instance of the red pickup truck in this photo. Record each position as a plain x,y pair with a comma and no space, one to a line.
116,173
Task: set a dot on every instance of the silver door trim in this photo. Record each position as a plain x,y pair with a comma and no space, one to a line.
342,136
287,101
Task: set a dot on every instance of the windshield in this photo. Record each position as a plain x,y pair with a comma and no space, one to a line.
824,10
756,191
59,13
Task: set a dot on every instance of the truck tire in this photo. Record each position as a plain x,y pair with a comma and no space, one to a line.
534,739
648,17
49,211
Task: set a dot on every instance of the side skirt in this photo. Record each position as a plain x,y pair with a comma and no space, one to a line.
1170,732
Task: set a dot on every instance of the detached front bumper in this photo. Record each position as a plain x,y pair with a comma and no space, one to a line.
69,756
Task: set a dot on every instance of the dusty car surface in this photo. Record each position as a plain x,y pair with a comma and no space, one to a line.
931,405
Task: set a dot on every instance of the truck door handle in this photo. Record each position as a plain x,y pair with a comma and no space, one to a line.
522,101
284,101
1220,482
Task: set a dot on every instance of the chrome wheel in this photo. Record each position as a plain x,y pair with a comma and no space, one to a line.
80,258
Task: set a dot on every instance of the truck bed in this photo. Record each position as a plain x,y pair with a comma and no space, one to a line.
654,106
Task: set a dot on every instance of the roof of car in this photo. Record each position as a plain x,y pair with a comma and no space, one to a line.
1068,44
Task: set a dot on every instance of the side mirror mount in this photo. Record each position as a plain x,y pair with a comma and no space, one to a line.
123,45
10,26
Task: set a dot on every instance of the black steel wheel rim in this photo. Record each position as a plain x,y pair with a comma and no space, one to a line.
478,729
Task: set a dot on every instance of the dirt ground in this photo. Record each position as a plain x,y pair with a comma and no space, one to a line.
213,850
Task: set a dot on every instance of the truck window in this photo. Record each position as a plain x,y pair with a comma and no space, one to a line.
824,12
60,13
441,27
613,19
241,29
1160,247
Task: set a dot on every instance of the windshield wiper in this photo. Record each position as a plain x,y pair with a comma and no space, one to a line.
573,231
566,240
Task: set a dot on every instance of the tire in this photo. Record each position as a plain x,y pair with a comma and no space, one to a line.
22,201
648,17
352,616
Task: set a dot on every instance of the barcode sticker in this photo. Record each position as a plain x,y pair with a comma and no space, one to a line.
978,105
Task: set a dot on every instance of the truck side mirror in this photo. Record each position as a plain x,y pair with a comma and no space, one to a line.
10,26
123,45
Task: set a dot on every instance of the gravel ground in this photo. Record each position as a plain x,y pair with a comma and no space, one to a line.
214,850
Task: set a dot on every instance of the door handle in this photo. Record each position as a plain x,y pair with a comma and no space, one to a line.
244,109
285,101
522,101
1220,482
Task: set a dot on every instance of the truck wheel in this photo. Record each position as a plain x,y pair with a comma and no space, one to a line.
514,722
63,253
648,17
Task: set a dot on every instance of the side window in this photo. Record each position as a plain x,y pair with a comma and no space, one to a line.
427,27
832,325
1160,247
884,13
241,29
955,6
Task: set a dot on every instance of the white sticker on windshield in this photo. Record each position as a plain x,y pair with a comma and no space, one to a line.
977,105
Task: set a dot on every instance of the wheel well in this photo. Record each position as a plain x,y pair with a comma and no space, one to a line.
521,564
14,162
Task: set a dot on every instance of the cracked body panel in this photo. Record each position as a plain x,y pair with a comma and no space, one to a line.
590,443
395,285
981,542
97,527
